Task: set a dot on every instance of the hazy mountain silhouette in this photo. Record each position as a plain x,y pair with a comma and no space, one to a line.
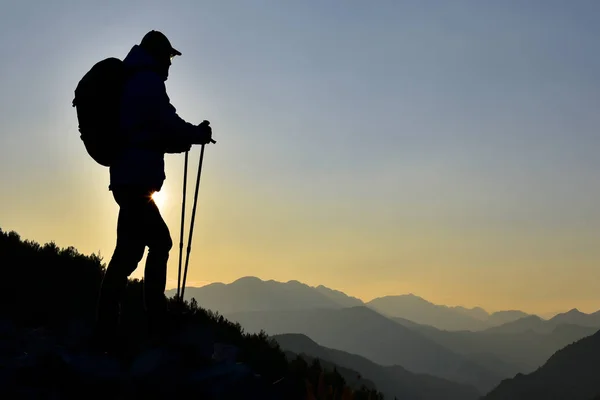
572,373
504,317
421,311
529,323
537,324
393,381
576,317
362,331
339,297
507,351
475,312
253,294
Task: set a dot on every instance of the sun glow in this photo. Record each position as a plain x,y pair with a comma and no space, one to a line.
159,198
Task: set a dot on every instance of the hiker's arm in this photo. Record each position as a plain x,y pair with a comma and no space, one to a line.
178,148
164,128
174,129
176,132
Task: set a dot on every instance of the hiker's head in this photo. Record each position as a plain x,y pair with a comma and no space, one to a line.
159,47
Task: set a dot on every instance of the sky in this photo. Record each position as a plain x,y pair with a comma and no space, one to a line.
445,149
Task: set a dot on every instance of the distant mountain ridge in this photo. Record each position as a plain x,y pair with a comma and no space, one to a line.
457,318
339,297
576,317
516,347
534,323
254,294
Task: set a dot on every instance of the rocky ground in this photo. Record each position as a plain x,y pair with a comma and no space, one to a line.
38,363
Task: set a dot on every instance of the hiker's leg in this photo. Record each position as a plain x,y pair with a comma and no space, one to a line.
128,253
155,275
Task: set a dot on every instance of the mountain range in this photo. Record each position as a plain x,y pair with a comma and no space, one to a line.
516,347
362,331
421,341
421,311
253,294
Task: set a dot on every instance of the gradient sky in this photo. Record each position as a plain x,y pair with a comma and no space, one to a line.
443,148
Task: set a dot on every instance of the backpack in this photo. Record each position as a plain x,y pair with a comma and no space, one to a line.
97,102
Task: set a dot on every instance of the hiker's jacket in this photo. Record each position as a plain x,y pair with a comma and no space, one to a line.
151,125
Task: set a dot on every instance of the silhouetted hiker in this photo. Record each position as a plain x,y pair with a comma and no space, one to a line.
153,128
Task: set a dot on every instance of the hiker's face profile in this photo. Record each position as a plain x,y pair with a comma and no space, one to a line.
164,63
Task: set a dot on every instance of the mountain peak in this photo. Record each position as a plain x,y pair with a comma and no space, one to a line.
410,296
296,283
247,279
250,293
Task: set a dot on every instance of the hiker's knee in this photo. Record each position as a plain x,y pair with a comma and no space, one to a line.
161,248
161,244
130,254
168,243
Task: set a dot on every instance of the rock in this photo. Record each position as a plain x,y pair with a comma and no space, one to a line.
195,343
148,363
37,341
10,348
46,370
157,373
7,329
77,334
91,367
37,363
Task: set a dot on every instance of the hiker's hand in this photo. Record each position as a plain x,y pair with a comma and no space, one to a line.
185,147
204,133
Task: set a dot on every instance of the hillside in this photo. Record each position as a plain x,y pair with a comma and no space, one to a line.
362,331
354,380
253,294
572,373
48,304
393,381
507,351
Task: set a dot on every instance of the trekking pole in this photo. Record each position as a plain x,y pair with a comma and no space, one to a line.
189,246
185,169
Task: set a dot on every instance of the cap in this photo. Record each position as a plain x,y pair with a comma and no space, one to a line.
156,42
